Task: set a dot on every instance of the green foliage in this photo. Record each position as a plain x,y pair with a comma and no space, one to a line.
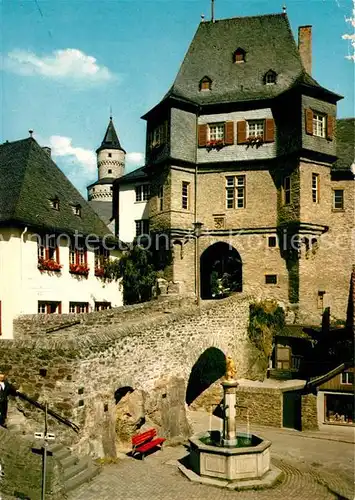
266,318
137,272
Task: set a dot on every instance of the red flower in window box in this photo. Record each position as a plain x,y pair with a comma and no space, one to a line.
215,144
81,269
255,140
48,265
99,272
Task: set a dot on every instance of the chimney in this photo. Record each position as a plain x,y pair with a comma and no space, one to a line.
47,150
305,47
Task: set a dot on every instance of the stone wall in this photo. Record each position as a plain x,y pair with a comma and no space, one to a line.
309,414
23,469
264,405
79,369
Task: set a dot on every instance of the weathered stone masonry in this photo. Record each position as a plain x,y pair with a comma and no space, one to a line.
79,370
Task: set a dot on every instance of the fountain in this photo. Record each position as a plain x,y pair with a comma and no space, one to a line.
227,458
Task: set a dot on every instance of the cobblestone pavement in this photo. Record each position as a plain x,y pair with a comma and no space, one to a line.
315,469
154,479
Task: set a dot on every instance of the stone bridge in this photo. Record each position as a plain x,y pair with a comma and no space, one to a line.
84,361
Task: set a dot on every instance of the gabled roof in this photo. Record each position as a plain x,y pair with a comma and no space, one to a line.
345,137
110,140
137,175
29,179
268,44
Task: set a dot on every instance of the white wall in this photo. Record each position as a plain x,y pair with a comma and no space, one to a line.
22,285
130,210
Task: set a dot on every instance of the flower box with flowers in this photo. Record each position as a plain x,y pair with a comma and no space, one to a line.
99,272
215,144
48,265
81,269
255,140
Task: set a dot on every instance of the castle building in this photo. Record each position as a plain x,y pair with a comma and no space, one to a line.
110,165
245,172
53,246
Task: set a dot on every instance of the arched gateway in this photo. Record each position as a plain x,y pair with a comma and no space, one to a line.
221,270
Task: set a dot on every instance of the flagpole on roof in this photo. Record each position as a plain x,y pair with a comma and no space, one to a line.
212,11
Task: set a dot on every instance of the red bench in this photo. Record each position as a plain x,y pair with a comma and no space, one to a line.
145,441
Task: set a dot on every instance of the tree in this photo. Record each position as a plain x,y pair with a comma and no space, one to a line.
137,273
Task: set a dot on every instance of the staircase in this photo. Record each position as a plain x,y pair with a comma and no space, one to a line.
73,471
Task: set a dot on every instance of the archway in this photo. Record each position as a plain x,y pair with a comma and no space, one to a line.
209,367
221,271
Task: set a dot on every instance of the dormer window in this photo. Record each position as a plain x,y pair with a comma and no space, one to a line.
54,203
239,56
205,83
270,77
76,210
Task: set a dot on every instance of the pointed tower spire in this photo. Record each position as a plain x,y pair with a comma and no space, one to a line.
110,140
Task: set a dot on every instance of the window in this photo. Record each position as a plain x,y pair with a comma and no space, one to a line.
101,257
47,248
320,299
205,83
319,125
272,241
161,198
283,358
216,132
315,188
142,192
185,187
271,279
78,307
158,135
100,306
142,227
109,171
255,128
54,204
235,191
347,378
239,56
49,307
287,190
76,210
338,199
270,78
78,258
109,155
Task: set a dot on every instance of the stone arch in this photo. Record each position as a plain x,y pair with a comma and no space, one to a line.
220,265
209,367
121,392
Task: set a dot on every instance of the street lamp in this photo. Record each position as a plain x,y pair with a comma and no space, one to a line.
197,234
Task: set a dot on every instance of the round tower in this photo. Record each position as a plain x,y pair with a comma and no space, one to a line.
110,164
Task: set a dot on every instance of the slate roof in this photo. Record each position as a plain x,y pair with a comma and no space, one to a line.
269,44
104,180
137,175
29,179
110,140
345,136
103,209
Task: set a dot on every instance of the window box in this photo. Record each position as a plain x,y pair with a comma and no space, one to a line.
99,272
80,269
48,265
255,140
215,144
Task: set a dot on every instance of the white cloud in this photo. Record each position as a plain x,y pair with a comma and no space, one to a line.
62,147
351,38
135,158
67,64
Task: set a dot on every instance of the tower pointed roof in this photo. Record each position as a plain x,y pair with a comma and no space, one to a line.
110,140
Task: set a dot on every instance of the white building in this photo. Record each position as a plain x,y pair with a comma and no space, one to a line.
131,194
52,244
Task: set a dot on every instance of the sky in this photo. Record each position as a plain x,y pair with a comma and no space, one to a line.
65,63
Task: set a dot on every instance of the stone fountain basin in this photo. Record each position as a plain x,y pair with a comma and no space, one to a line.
231,463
